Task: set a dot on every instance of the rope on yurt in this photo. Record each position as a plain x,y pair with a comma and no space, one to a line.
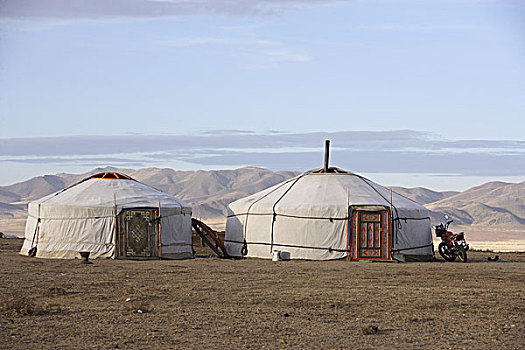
403,249
101,216
347,222
330,249
275,204
293,216
398,226
115,225
391,219
244,250
75,218
425,218
160,235
397,219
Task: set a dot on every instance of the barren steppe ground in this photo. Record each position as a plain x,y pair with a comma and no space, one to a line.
212,303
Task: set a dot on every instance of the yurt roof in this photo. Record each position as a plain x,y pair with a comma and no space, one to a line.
317,192
106,189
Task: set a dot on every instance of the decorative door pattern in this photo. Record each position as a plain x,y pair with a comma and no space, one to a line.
138,233
369,236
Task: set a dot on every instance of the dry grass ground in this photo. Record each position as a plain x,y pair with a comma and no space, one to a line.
212,303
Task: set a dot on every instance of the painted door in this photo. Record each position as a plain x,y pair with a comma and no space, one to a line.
370,235
138,233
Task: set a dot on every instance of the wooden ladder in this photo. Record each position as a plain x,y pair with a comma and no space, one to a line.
210,237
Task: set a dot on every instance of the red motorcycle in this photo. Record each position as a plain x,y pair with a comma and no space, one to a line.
453,245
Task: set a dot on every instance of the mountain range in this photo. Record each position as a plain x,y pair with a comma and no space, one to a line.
495,210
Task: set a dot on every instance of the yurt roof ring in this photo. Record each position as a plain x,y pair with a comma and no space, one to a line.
111,175
105,175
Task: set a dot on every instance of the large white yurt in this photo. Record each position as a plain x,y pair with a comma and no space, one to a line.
109,215
327,214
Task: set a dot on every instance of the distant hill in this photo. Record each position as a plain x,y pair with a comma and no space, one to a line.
208,192
423,195
491,204
494,207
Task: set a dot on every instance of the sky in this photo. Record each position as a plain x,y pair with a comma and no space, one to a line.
411,93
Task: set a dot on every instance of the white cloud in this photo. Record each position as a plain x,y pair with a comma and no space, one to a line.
103,9
287,56
366,151
205,41
198,41
417,27
267,53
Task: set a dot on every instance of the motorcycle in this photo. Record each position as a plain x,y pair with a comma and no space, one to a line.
453,245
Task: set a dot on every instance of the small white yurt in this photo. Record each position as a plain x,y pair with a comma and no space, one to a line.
327,214
109,215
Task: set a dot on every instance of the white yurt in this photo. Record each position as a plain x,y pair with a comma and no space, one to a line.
109,215
326,214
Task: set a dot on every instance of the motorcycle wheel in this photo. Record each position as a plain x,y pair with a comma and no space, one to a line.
445,252
462,254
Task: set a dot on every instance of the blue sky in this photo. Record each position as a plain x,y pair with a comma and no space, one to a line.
451,71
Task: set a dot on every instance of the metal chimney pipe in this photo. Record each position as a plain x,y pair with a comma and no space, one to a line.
326,154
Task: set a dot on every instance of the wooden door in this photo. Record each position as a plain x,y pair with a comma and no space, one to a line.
138,233
370,236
